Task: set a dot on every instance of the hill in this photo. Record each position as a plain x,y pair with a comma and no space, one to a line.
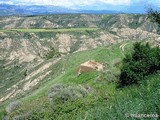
63,95
27,42
40,54
132,21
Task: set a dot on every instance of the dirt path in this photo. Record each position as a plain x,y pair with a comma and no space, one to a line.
121,47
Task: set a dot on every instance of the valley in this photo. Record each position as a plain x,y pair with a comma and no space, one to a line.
39,56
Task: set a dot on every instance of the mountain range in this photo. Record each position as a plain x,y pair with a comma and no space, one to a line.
24,10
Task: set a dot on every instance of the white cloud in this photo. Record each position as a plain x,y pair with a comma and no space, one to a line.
68,3
51,2
6,2
117,2
74,3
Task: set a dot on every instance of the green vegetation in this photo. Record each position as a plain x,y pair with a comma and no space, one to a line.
90,96
68,66
154,15
14,73
52,53
139,64
109,20
48,30
131,101
74,21
112,32
62,95
75,46
46,34
135,23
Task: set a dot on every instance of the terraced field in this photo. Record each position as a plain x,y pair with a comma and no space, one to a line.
48,30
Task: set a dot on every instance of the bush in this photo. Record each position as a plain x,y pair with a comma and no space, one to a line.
106,77
141,63
24,116
13,106
64,93
55,89
52,53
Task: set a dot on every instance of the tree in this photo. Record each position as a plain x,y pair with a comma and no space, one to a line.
144,61
154,16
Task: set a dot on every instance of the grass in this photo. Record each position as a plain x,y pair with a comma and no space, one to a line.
69,64
48,30
143,99
9,75
106,101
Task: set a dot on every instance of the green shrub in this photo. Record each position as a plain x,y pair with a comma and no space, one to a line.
113,32
13,106
64,93
24,116
106,77
53,53
132,100
141,63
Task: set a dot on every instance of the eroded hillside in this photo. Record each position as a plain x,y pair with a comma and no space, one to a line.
24,55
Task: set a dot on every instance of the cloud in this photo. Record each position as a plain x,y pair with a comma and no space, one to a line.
74,3
117,2
67,2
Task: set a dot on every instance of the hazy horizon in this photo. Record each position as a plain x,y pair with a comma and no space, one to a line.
116,5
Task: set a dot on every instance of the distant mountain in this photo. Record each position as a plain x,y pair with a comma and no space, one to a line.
6,9
25,10
98,11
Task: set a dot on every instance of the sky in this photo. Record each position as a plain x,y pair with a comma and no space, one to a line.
86,4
